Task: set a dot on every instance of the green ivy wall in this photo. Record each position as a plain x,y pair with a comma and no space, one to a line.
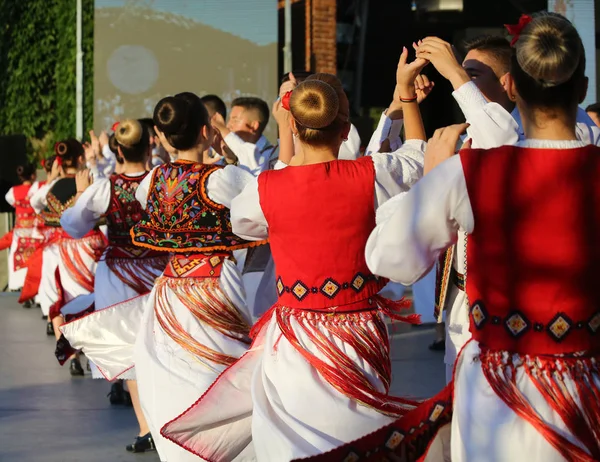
37,69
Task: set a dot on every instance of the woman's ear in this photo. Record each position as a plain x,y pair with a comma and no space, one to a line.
293,126
509,86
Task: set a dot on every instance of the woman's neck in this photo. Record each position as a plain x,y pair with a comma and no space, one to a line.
70,171
27,182
192,155
308,155
542,125
133,167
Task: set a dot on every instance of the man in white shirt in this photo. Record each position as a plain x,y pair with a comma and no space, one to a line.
243,134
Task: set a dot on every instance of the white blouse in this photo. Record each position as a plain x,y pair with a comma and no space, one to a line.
414,228
39,199
492,126
10,195
93,203
394,173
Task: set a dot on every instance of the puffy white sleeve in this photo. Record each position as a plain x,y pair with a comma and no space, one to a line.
490,125
413,228
386,128
226,183
397,171
245,152
39,200
141,194
350,148
80,219
247,218
10,197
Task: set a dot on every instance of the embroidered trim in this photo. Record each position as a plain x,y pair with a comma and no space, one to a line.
124,210
330,288
54,210
180,217
517,324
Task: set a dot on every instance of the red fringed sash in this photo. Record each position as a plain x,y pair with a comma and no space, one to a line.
364,331
71,254
26,247
549,374
139,274
207,302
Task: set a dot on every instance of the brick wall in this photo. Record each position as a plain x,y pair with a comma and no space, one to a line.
321,36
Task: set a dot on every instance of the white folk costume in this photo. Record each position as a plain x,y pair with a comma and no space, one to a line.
77,258
527,386
124,274
490,126
319,371
21,239
192,326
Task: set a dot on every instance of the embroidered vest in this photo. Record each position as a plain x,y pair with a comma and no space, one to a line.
533,256
320,217
124,210
60,197
180,217
25,215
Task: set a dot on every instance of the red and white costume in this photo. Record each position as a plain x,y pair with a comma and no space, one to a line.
318,372
527,386
77,258
23,242
124,273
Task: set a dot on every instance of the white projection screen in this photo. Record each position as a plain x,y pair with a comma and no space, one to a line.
147,49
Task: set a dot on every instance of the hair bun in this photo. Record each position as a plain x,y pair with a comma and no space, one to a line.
171,114
314,104
61,148
549,49
20,170
129,133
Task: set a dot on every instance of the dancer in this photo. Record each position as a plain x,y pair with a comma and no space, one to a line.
22,244
319,371
526,386
74,275
192,327
125,272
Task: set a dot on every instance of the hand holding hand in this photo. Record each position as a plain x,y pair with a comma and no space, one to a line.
441,55
56,172
288,86
423,87
103,139
406,74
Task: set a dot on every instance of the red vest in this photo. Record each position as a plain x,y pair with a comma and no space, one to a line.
124,210
24,212
320,217
532,259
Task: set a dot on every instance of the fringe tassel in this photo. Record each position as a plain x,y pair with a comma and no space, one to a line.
548,375
138,274
392,309
366,333
70,253
209,305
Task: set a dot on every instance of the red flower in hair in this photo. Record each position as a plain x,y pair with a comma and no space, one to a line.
114,126
285,101
516,29
58,160
43,163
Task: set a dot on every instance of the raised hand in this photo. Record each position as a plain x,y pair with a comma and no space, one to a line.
406,73
288,86
423,87
103,139
83,180
443,145
95,143
442,56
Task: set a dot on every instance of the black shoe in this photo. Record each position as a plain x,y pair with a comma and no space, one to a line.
37,305
438,345
75,369
27,304
49,329
44,317
117,393
127,399
142,444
